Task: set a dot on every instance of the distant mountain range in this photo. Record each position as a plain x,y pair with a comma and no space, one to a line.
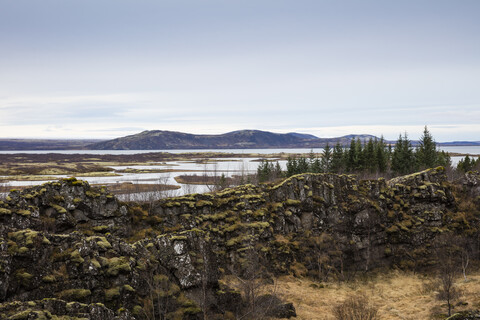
165,140
45,144
242,139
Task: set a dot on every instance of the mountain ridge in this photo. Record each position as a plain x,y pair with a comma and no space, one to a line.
171,140
240,139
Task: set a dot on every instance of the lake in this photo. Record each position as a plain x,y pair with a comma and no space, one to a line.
226,166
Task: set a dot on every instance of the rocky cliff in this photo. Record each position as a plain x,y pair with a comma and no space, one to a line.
71,250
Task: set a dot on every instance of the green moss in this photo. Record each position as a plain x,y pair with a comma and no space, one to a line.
178,237
25,213
392,229
137,311
112,293
101,229
260,213
217,216
23,315
22,250
92,194
76,257
58,208
173,204
23,276
74,294
291,202
48,279
203,203
58,198
4,211
102,242
27,236
128,288
95,263
116,265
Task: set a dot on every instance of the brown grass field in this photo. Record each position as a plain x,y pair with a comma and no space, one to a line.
397,294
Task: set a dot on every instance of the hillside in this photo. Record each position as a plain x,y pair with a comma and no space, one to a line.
243,139
45,144
68,249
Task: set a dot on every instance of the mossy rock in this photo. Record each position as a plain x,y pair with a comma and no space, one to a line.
74,294
116,265
76,257
49,279
128,288
112,293
25,213
4,211
292,202
101,229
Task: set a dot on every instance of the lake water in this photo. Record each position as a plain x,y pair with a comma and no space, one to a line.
227,166
473,150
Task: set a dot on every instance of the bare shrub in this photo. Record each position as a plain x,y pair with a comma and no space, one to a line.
449,258
356,307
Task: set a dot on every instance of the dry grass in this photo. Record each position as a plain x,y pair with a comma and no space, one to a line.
398,295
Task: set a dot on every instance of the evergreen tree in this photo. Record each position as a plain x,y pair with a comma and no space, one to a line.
403,158
314,164
264,171
467,164
443,159
336,164
326,159
302,165
352,157
427,150
277,171
292,167
360,161
381,155
370,160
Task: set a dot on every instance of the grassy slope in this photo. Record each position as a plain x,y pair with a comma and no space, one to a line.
398,295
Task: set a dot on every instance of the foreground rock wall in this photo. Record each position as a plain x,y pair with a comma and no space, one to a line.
65,247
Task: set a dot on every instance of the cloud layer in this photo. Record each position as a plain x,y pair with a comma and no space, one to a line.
110,68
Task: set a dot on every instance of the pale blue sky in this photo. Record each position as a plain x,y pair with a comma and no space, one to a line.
108,68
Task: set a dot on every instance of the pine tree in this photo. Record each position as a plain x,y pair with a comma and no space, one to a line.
314,164
326,159
370,161
264,171
360,161
302,165
427,150
352,157
381,155
443,159
467,164
403,158
336,164
292,167
277,171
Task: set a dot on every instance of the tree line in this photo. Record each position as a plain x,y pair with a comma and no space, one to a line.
374,156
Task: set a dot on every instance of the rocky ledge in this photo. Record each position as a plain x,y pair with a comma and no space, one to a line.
70,251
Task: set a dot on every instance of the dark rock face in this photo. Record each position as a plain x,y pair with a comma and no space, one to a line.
65,247
467,315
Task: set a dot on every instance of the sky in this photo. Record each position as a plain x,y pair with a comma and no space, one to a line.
110,68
